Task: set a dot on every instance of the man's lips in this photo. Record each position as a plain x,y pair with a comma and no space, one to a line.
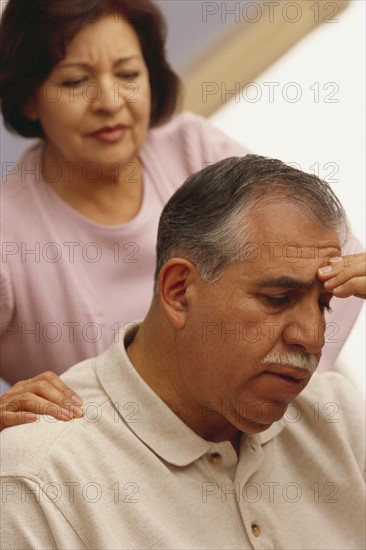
284,381
289,372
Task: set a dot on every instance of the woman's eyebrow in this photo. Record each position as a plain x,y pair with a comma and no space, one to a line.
85,65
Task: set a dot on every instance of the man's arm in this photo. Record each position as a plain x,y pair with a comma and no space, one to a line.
31,519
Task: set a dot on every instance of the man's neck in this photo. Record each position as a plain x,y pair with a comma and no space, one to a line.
156,367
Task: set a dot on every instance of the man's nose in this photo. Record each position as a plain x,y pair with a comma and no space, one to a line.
306,328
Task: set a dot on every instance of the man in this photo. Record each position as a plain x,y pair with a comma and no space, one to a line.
194,433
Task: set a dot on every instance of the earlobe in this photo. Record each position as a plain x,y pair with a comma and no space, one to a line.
30,110
175,279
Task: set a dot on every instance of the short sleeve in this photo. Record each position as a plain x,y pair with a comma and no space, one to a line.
30,519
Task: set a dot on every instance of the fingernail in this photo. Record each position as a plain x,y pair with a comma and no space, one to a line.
30,417
75,399
78,411
66,414
336,259
325,270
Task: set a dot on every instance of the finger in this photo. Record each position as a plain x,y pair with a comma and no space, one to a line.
30,402
352,273
354,287
43,388
326,272
58,384
346,262
8,419
352,258
339,272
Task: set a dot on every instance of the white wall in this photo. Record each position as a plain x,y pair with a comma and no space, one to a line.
327,128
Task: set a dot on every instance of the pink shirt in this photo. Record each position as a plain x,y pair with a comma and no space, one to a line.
68,284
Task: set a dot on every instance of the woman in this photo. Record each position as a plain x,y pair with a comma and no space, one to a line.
80,210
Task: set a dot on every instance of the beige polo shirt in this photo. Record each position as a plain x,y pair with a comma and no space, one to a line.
132,475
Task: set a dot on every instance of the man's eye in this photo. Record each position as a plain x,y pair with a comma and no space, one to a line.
278,301
325,306
324,302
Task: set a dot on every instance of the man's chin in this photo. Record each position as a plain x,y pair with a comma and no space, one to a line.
254,426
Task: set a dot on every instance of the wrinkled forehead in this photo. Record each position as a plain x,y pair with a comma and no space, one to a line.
283,234
293,251
286,258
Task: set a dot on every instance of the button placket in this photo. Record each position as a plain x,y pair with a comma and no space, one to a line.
214,458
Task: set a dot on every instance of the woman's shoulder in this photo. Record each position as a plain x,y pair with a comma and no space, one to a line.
192,135
178,127
17,174
19,196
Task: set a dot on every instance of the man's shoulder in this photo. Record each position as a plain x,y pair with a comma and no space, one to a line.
322,431
26,449
330,409
330,386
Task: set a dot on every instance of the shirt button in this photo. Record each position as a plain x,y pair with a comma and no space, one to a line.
214,458
255,529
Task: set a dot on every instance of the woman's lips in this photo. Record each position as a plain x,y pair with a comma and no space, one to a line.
110,134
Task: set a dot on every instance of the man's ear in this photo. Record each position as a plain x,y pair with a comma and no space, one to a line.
176,279
30,109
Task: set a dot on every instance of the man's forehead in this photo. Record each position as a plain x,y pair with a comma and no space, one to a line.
286,264
283,224
289,250
265,254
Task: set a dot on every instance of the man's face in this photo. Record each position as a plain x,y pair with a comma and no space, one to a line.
271,303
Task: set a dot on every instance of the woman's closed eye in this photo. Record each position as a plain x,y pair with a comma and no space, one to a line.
74,83
128,75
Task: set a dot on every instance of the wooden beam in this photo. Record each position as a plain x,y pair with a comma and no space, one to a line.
250,48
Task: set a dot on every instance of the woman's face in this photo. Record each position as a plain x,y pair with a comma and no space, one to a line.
94,106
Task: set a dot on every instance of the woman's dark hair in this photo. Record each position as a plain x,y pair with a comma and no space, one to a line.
34,35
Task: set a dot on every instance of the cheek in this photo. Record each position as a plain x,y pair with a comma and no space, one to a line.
59,113
141,106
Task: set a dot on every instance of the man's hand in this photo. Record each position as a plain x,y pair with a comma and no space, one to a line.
345,276
43,394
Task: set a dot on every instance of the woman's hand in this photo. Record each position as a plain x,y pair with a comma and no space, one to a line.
345,276
43,394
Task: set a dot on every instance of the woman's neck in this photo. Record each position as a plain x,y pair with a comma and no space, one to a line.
110,197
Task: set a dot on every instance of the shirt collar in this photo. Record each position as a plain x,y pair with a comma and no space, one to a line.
145,414
143,411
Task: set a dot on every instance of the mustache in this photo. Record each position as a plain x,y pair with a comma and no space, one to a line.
294,359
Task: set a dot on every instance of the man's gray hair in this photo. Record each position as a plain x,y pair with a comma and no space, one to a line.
207,218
